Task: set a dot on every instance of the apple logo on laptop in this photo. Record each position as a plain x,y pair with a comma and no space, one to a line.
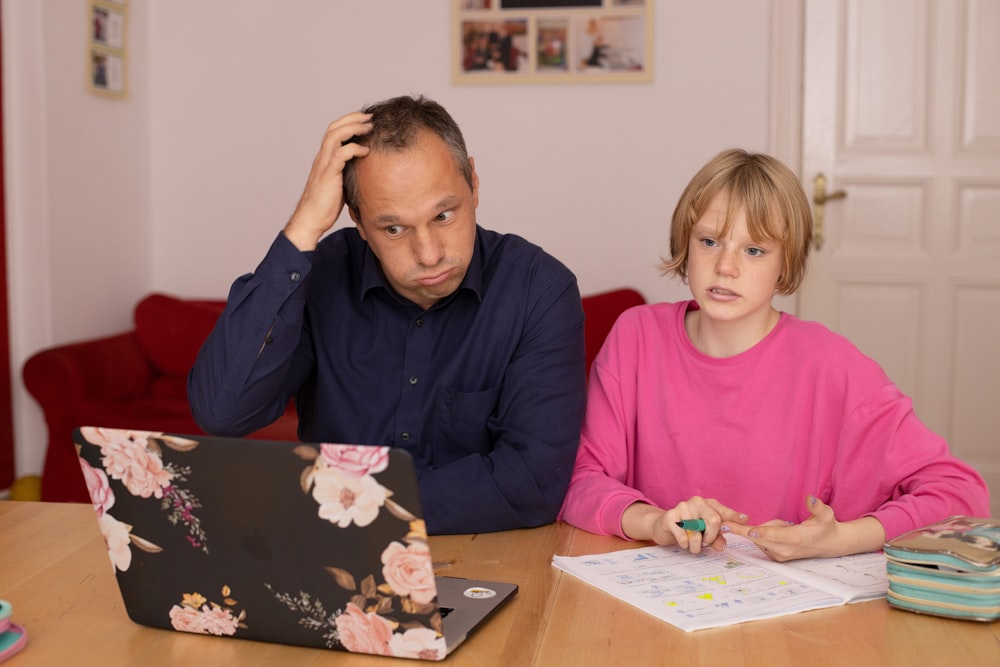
256,546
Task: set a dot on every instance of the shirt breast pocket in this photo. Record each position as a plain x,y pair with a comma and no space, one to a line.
463,425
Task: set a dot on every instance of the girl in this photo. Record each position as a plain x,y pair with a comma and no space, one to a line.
724,409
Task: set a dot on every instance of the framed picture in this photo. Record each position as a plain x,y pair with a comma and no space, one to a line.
542,41
108,26
106,47
107,72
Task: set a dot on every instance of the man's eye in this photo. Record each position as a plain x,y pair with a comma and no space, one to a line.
445,216
393,230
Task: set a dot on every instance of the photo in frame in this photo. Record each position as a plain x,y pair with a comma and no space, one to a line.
541,41
106,47
107,72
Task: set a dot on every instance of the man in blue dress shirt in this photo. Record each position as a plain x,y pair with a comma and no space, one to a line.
415,328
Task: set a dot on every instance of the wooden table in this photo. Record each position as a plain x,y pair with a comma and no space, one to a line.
56,573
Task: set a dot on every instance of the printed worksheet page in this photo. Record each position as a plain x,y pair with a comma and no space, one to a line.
855,578
715,589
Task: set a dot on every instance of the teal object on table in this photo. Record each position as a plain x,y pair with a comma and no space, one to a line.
13,637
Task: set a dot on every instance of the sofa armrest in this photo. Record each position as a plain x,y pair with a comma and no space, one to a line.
112,367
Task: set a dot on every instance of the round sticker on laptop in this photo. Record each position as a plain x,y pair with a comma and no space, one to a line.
479,593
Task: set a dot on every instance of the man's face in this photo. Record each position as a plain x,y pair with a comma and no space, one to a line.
418,215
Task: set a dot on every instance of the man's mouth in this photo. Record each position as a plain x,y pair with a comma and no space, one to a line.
435,279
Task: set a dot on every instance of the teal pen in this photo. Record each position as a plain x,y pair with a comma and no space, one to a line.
692,524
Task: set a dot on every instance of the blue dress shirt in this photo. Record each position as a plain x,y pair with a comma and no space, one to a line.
485,389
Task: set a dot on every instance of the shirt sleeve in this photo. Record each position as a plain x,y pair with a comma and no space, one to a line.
250,365
601,486
535,430
888,459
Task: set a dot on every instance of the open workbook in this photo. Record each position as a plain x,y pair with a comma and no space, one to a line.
739,584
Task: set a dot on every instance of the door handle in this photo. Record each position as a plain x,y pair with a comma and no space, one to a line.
820,198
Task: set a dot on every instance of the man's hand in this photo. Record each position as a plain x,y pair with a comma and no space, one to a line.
323,197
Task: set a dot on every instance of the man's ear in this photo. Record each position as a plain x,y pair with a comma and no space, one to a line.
475,183
356,217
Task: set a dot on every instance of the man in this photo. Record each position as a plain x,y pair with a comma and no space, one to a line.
417,328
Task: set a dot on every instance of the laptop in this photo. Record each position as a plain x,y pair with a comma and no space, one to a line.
319,545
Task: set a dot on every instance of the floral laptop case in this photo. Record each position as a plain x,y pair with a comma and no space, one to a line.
317,545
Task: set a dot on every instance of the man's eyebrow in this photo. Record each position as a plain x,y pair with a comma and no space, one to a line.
450,201
386,219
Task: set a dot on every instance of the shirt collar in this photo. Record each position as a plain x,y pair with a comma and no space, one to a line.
372,276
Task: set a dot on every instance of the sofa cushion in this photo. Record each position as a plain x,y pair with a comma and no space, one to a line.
171,330
168,388
602,311
142,414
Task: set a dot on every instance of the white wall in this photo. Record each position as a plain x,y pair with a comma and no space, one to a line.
77,169
182,186
590,172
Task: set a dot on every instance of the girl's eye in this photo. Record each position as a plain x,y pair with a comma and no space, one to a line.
755,252
708,243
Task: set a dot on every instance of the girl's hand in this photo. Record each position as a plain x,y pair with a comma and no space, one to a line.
642,521
819,536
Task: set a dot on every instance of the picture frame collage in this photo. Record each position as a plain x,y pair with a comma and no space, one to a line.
107,23
543,41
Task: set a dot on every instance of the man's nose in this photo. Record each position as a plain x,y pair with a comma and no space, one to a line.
427,247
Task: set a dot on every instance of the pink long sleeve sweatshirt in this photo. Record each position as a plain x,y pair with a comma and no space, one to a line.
802,412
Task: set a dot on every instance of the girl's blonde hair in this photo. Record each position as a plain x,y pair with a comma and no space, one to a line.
776,209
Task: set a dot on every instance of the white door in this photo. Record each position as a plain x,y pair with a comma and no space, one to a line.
901,111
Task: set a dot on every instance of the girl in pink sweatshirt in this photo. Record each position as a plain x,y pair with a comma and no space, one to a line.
724,409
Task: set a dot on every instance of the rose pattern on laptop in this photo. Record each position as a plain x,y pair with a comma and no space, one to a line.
380,618
199,615
396,617
341,481
135,458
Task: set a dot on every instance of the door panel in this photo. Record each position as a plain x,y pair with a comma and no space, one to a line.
901,110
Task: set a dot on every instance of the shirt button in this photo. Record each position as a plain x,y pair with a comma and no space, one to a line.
295,276
419,322
405,437
413,379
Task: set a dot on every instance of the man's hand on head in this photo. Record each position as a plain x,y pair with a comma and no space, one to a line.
322,199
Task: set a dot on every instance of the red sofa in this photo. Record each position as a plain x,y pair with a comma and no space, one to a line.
137,379
602,310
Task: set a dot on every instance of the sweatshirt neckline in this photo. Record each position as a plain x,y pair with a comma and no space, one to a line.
747,354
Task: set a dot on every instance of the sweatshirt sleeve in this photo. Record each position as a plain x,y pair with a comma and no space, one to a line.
601,486
888,459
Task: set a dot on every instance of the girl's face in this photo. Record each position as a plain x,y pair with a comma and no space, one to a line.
732,278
